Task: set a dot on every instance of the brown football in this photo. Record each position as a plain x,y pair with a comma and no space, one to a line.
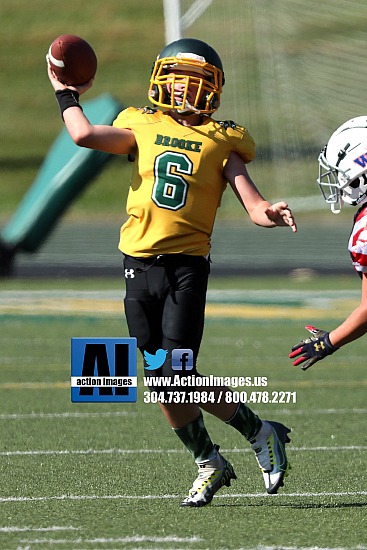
72,60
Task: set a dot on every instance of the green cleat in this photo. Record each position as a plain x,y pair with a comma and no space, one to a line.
269,446
213,474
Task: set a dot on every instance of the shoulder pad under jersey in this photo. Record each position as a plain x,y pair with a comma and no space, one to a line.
147,110
227,124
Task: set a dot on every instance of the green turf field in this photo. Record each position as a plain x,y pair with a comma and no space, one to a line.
104,476
111,476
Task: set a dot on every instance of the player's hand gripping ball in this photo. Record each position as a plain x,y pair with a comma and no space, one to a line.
72,60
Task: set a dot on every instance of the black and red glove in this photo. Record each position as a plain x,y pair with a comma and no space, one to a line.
312,349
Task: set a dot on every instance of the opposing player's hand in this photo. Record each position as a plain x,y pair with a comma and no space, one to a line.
57,85
281,215
312,349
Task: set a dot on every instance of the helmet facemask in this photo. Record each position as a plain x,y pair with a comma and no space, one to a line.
329,183
343,166
201,76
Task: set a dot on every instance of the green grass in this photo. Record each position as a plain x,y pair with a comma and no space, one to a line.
70,497
65,481
77,478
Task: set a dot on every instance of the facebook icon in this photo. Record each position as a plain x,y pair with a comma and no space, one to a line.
182,359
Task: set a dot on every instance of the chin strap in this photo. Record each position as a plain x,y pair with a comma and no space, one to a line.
188,109
336,207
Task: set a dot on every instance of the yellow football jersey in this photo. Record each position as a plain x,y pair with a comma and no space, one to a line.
177,181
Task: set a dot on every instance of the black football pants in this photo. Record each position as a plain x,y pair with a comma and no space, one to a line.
165,304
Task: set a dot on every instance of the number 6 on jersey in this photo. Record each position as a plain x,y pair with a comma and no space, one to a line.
170,188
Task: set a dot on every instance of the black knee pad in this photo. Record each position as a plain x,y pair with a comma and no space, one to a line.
137,321
183,317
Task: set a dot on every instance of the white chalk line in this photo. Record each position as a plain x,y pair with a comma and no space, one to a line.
36,416
60,452
137,538
40,529
149,539
115,540
106,541
156,497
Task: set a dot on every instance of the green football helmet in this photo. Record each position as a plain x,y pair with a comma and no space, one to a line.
193,65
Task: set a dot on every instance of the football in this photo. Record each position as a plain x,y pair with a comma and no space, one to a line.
72,60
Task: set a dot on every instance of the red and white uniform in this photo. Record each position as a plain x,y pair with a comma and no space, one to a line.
358,241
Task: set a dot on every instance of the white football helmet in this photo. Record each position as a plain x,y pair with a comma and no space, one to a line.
343,165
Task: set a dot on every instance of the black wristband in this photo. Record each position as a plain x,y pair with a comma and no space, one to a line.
329,346
67,98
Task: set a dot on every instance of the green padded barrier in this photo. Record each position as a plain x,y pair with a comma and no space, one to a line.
65,172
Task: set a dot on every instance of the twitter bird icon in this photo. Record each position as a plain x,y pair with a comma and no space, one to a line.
154,362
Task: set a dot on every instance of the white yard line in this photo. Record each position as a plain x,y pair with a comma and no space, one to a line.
86,415
159,497
102,540
38,529
55,452
178,540
37,416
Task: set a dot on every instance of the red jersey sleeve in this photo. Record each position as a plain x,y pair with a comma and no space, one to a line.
358,241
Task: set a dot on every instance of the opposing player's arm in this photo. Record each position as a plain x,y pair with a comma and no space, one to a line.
321,343
355,325
102,137
261,211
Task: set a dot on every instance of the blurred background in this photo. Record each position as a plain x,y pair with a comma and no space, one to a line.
294,72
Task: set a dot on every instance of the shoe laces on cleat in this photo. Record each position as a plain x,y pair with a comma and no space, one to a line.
213,474
269,447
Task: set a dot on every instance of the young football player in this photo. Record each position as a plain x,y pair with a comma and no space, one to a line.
182,161
343,179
